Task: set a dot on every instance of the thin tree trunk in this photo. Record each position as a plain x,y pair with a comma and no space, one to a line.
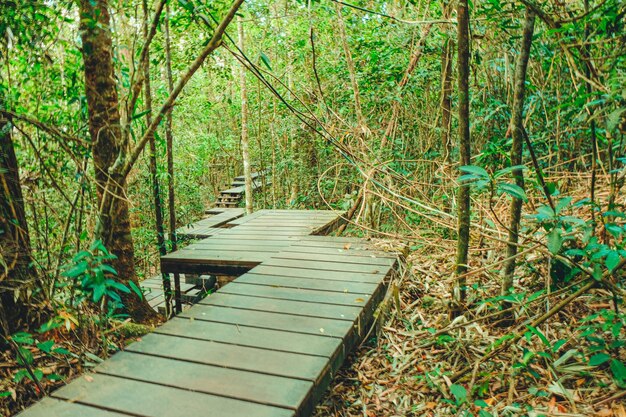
517,132
106,134
463,194
351,69
16,273
592,127
156,189
446,94
169,137
245,149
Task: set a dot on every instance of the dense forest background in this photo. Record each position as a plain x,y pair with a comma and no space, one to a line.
487,136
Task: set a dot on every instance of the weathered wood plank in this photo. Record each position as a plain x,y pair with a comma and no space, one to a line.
323,257
252,337
326,266
353,250
52,407
243,385
337,312
144,399
317,274
270,320
290,365
307,283
296,294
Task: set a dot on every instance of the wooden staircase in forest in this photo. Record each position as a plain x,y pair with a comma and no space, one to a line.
231,197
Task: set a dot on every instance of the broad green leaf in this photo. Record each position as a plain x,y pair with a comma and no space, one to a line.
136,289
473,169
266,61
23,338
619,372
459,393
599,359
46,346
613,119
555,241
612,260
513,190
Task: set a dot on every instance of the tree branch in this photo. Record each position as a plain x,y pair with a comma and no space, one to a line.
124,165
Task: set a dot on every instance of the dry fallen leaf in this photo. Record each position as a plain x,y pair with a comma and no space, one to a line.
88,378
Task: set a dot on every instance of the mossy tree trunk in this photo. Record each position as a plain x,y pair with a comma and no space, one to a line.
463,194
114,228
517,132
17,276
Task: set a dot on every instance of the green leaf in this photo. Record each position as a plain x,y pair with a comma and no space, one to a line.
459,393
555,241
21,374
266,61
46,346
540,335
473,169
598,359
117,285
619,372
141,114
26,357
614,118
135,289
98,292
108,268
513,190
61,351
76,271
23,338
612,260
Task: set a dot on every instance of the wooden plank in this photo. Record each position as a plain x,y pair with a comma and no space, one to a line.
270,320
52,407
337,312
339,239
252,337
303,247
236,231
265,269
323,257
326,266
259,247
217,258
307,283
290,365
296,294
144,399
243,385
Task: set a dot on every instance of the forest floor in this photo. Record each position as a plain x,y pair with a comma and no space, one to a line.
407,369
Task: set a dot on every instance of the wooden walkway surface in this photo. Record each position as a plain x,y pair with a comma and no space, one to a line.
265,345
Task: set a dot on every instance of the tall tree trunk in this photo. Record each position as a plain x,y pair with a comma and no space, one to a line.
114,228
446,93
517,131
245,148
169,137
16,273
156,189
351,70
463,194
592,125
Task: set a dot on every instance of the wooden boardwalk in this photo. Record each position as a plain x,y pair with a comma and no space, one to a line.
233,195
265,345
